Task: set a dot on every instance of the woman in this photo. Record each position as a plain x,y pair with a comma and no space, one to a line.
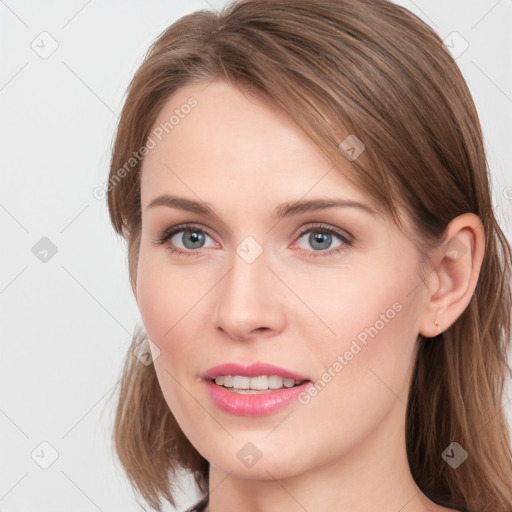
324,288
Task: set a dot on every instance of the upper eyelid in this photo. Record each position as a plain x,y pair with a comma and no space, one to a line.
323,226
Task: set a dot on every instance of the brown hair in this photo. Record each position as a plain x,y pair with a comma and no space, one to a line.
339,67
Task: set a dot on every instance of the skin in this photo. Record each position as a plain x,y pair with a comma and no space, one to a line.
292,306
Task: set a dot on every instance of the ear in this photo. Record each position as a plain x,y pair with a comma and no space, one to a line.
455,265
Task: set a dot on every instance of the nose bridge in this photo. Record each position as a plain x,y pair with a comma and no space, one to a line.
246,300
249,277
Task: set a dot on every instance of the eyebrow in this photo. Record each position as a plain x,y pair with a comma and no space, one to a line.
284,210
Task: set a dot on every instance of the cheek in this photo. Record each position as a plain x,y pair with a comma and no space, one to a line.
176,310
366,339
167,296
171,311
362,383
351,303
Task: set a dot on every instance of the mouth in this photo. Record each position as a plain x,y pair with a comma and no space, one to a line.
256,390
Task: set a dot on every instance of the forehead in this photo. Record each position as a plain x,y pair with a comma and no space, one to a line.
228,127
213,136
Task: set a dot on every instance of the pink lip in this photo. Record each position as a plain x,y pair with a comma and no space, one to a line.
252,405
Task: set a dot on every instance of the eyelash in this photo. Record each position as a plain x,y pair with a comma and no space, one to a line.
168,233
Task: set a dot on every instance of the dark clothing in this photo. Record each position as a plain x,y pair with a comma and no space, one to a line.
200,506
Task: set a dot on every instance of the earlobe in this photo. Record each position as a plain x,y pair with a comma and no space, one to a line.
456,265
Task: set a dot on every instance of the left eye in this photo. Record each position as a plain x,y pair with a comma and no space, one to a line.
321,239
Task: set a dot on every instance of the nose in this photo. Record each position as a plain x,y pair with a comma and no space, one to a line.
249,301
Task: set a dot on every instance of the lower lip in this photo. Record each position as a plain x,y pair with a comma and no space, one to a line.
260,404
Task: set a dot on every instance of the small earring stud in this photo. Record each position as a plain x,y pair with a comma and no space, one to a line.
436,323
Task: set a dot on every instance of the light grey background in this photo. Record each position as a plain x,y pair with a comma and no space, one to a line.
67,322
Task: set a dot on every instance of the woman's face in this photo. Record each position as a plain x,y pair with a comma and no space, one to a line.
327,294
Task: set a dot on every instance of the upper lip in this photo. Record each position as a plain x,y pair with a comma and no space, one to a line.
251,370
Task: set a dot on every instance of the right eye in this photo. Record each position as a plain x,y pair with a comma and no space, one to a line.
190,236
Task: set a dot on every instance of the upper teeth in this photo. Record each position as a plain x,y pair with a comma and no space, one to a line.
258,383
